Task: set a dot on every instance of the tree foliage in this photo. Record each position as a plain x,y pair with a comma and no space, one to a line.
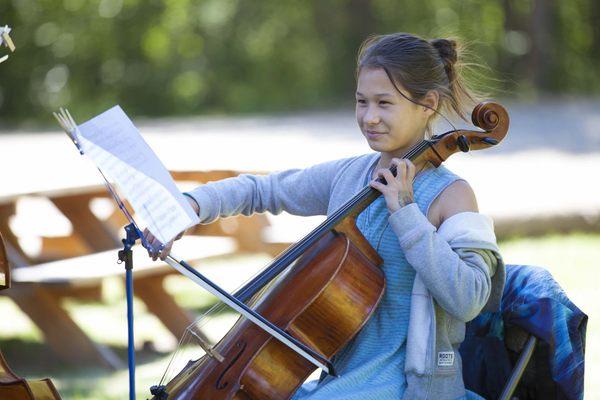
180,57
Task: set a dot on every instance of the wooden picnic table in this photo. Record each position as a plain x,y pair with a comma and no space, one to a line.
75,265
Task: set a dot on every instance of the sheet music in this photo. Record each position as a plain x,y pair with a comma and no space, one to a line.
115,145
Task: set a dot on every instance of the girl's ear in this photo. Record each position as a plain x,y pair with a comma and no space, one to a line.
431,99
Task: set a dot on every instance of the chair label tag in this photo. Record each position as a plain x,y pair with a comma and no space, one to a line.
445,359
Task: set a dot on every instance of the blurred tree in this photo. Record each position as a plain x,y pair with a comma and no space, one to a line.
180,57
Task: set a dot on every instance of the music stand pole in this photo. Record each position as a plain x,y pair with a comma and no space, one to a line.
126,256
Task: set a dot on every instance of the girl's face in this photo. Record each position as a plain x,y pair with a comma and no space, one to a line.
390,123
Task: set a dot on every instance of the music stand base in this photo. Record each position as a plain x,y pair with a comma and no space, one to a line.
126,256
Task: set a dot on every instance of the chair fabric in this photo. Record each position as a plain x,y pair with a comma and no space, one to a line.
534,302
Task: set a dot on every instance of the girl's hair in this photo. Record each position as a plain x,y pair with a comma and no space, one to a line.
421,65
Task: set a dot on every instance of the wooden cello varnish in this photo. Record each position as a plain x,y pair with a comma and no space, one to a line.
334,284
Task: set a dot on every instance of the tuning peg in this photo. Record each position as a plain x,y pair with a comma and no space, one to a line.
490,140
463,143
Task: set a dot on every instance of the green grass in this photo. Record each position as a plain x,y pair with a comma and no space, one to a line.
571,259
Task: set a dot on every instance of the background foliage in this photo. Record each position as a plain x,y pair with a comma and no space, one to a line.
179,57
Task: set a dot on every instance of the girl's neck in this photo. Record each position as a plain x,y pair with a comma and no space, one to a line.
386,157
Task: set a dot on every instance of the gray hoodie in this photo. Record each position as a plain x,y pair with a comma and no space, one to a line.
459,269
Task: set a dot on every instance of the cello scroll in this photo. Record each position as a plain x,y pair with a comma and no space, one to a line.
491,117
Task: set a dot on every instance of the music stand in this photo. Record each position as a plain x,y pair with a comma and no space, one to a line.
132,233
125,255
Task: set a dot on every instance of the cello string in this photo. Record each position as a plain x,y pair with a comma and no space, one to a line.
179,354
198,324
176,355
288,256
188,338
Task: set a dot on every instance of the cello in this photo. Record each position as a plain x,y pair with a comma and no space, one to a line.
322,301
13,387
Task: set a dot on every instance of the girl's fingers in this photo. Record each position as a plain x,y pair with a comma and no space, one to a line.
377,185
155,248
391,180
151,240
396,187
405,170
410,170
387,174
401,173
147,235
400,167
383,189
166,250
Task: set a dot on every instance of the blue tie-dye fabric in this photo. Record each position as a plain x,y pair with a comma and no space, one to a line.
534,302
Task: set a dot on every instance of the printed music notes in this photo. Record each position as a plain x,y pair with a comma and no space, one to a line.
119,151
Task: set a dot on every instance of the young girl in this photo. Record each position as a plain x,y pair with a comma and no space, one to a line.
441,261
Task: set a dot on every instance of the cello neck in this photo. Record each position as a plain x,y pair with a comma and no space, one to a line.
350,209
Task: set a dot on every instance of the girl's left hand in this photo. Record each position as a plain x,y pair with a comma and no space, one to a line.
398,191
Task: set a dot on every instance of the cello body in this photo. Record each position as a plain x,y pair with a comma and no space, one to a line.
12,387
335,284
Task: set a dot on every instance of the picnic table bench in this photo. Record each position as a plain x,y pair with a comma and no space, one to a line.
77,264
38,291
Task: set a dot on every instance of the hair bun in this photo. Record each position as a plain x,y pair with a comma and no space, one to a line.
447,50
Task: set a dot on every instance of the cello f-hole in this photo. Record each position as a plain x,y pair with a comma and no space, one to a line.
222,385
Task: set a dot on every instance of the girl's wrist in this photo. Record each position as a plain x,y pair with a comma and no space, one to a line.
193,203
405,199
398,205
400,201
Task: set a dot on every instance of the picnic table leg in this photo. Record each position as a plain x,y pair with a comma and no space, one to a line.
160,303
95,233
16,255
61,333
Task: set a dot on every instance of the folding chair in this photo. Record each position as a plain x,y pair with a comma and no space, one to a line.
538,322
520,366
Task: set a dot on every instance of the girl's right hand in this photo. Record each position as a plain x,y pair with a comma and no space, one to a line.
158,250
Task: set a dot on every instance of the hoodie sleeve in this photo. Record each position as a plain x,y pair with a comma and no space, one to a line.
296,191
459,263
